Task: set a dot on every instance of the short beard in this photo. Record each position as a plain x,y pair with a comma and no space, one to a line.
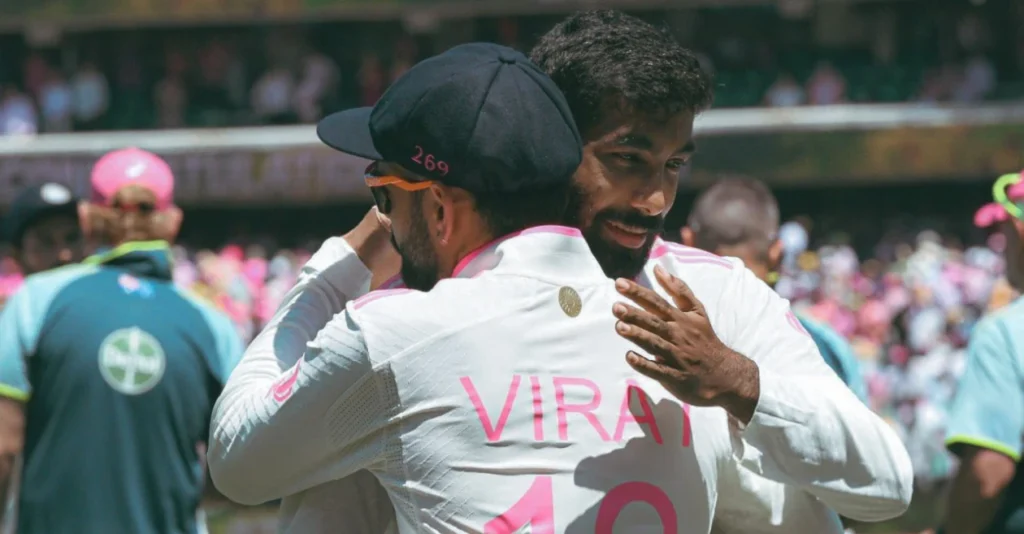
616,260
419,259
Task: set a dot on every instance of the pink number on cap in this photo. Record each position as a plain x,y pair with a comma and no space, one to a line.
429,162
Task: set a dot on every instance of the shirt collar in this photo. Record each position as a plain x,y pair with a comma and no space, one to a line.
150,259
556,253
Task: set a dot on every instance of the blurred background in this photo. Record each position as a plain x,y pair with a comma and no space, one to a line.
880,125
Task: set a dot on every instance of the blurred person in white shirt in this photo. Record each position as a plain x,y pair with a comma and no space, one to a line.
91,97
977,81
17,112
785,92
272,97
319,79
826,86
633,157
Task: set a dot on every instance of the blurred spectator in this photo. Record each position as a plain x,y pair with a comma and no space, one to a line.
211,97
272,96
56,103
880,64
977,82
785,92
372,81
170,95
17,112
36,73
319,80
939,84
826,85
91,97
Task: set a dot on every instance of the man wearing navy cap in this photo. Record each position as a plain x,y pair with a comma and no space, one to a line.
42,226
491,394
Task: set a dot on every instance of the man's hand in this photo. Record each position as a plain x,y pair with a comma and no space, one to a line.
371,239
689,359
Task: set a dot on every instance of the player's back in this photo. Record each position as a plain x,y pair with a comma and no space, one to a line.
122,372
512,404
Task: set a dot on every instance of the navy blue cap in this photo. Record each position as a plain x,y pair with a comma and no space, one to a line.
36,202
480,116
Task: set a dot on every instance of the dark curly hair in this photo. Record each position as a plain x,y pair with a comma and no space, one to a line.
608,58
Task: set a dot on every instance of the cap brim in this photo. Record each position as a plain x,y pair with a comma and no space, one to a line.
349,132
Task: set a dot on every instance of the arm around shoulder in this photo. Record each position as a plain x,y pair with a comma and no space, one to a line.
808,428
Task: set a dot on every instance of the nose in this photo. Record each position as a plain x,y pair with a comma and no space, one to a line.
65,255
651,200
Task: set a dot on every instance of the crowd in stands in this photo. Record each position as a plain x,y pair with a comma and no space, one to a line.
159,78
907,312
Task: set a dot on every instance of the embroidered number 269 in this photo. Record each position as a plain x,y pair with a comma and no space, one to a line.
429,162
537,508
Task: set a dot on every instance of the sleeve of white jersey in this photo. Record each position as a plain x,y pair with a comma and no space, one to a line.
809,429
317,422
332,277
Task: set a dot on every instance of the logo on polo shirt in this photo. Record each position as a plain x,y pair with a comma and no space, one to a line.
132,361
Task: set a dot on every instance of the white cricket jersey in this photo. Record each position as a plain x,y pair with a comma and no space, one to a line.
497,402
779,473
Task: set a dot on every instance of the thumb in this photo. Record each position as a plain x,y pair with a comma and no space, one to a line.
383,220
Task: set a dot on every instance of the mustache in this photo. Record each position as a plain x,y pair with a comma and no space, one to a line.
651,223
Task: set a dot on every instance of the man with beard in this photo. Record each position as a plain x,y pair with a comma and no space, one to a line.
473,156
637,132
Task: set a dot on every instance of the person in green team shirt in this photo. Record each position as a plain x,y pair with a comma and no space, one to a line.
108,373
986,422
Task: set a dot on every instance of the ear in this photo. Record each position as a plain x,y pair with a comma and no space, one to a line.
687,236
83,218
775,255
171,223
441,202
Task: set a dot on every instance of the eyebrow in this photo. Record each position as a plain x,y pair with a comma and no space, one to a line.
642,142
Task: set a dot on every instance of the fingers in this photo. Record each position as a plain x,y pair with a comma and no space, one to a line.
645,298
655,345
383,220
642,319
684,298
648,368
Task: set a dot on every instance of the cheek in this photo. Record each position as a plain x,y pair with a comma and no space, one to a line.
602,186
671,190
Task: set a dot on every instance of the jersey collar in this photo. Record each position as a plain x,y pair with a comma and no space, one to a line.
556,253
151,259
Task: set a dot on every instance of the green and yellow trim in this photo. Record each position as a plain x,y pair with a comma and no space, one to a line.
13,393
127,248
999,193
983,443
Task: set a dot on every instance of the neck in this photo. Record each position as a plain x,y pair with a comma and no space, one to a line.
466,249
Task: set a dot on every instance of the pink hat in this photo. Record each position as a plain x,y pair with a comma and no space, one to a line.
132,166
993,212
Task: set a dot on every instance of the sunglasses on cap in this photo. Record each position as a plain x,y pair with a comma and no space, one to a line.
377,183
